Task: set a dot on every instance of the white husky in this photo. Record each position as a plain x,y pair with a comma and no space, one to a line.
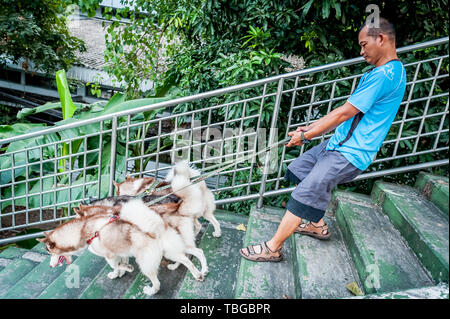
198,200
119,238
180,178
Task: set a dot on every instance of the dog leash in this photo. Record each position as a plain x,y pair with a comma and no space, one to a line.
202,177
153,187
111,219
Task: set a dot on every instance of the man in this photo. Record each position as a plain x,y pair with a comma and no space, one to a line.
362,124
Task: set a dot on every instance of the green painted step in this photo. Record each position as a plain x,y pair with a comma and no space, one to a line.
265,279
75,278
13,252
104,288
8,255
170,281
40,248
435,188
323,268
434,292
420,223
34,283
222,255
383,261
23,262
4,262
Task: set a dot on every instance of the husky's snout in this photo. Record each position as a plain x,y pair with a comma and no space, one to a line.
56,260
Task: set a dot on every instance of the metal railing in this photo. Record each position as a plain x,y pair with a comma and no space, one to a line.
44,174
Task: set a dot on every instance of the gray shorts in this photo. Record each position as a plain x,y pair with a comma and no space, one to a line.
316,172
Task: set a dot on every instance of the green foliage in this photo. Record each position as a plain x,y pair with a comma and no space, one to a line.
188,47
202,45
37,31
39,175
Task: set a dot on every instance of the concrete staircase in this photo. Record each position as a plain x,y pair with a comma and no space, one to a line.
393,244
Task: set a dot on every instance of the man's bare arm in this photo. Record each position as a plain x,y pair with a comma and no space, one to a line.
324,124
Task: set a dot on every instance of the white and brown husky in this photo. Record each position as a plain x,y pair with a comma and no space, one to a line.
133,211
197,199
118,238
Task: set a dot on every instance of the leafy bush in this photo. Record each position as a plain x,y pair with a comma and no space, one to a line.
37,32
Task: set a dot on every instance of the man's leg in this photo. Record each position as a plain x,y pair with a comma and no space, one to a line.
296,171
286,228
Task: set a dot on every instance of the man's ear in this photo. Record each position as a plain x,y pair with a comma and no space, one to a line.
382,39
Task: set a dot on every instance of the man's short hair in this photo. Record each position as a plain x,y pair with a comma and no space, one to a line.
384,26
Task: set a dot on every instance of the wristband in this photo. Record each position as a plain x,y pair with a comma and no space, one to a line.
303,139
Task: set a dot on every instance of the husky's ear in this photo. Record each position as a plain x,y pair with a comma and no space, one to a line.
78,212
116,185
43,240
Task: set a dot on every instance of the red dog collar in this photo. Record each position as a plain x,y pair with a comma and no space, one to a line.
112,219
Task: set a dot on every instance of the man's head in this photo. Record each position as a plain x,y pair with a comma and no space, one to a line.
377,42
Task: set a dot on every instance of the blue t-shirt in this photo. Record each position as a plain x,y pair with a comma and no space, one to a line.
378,95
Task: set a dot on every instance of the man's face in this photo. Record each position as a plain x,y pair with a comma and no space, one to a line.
370,46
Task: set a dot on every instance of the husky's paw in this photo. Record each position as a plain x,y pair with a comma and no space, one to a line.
114,274
173,266
200,277
217,233
150,290
205,272
126,267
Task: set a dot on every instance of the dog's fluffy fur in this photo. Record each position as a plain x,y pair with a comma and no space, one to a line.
148,233
134,186
196,200
183,225
180,177
140,232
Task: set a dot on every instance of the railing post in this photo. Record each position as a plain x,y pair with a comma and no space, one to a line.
272,136
112,167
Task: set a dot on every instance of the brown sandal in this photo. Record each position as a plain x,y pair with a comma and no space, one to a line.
265,255
320,232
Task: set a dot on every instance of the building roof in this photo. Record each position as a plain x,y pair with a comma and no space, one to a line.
92,32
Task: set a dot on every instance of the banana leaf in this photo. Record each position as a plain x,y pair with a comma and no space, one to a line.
62,195
27,150
7,131
42,108
68,108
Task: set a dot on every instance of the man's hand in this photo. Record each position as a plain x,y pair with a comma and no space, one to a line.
295,136
295,139
302,129
324,124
